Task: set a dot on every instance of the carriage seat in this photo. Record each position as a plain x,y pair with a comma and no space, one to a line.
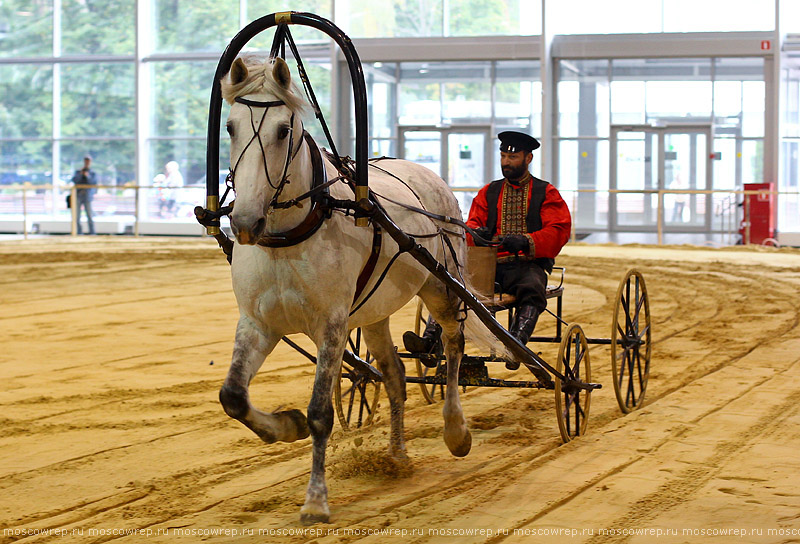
481,264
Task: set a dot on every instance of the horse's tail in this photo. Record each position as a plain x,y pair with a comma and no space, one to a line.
478,333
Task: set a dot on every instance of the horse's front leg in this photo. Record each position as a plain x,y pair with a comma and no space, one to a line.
330,349
249,351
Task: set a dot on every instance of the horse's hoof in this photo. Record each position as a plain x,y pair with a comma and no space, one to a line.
462,449
399,455
308,518
299,421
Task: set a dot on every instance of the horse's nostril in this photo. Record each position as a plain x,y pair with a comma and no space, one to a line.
258,228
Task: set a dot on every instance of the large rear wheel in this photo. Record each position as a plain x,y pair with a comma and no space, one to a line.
356,392
631,341
572,404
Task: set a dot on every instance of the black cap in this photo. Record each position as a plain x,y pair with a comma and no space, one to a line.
512,141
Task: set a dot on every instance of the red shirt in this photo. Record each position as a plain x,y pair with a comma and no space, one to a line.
544,243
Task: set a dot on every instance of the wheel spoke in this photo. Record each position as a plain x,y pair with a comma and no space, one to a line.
362,404
631,395
579,354
623,365
567,411
639,304
625,308
566,359
351,400
639,369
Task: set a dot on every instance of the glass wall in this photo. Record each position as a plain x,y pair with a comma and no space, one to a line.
433,18
638,17
726,94
69,82
447,114
789,203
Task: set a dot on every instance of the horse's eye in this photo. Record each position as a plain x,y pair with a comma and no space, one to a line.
229,128
283,132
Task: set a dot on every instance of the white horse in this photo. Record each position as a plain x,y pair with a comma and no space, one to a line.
309,287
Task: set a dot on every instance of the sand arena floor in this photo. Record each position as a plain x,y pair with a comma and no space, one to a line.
111,428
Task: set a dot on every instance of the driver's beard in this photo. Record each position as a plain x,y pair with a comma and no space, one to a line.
514,173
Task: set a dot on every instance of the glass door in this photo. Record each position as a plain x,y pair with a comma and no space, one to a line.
648,159
635,158
685,164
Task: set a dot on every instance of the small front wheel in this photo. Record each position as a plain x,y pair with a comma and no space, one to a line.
572,404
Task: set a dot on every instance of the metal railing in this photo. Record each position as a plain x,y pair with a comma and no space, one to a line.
123,209
729,220
130,206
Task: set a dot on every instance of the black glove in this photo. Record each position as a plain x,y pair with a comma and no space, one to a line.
485,236
514,243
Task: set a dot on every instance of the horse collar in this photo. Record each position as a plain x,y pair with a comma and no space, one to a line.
316,215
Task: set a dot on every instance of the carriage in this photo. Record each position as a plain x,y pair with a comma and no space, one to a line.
306,226
358,390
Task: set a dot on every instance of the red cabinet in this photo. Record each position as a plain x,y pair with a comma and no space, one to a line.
761,211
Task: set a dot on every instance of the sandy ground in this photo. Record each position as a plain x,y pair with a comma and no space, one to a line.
114,350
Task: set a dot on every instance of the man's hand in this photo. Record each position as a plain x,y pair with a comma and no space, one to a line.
485,236
514,243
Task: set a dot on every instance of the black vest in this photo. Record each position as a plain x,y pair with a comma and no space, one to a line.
533,221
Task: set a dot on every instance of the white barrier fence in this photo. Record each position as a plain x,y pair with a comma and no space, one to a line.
137,210
124,209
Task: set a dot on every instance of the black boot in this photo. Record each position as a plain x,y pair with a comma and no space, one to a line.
424,343
522,329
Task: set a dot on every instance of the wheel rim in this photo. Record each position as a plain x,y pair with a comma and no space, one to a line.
572,406
631,342
435,392
356,393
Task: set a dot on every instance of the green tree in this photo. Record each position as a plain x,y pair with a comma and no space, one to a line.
98,27
481,18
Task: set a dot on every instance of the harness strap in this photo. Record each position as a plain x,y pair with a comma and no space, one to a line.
369,266
380,280
316,215
297,201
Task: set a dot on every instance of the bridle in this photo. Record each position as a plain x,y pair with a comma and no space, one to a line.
284,179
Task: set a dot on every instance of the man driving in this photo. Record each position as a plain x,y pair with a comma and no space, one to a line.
530,221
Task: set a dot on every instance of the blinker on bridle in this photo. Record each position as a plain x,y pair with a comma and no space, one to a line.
257,136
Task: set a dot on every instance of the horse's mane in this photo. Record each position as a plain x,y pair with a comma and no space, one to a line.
259,79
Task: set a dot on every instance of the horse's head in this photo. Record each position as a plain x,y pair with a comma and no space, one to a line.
266,133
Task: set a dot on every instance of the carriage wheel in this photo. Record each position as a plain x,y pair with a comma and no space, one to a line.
630,341
356,393
432,393
572,405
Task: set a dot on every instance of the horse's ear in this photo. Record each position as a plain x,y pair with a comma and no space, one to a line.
238,72
281,74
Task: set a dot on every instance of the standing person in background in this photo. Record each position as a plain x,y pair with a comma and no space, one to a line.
85,176
170,181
